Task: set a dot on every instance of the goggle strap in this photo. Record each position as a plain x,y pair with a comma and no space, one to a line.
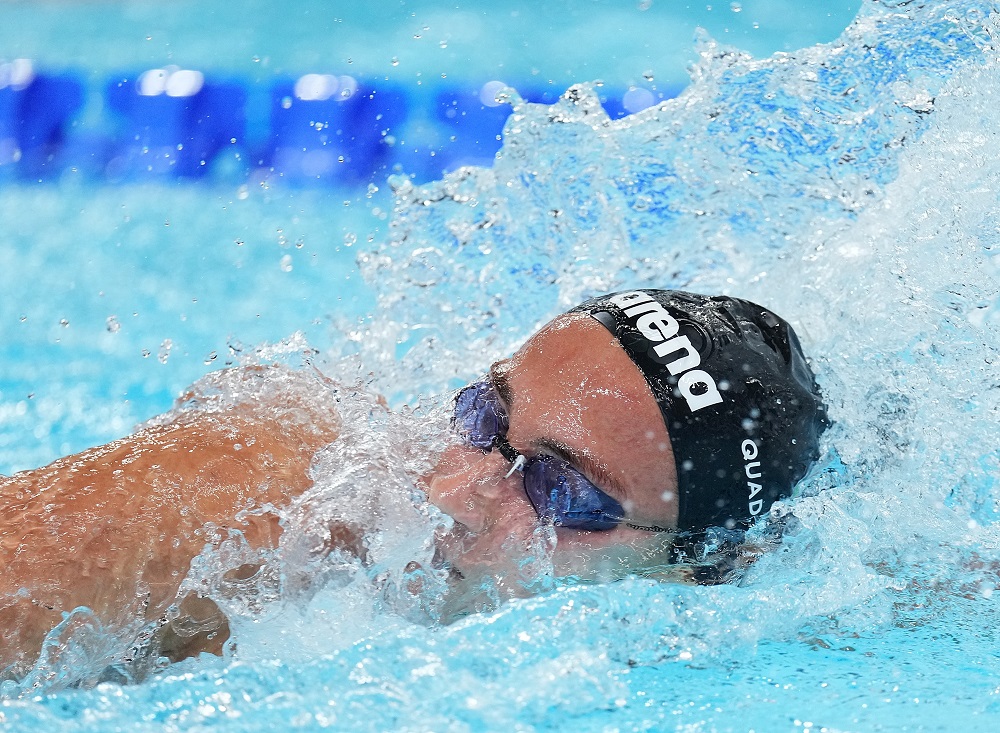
505,448
651,528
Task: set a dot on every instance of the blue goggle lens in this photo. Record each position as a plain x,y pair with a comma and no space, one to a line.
566,497
479,415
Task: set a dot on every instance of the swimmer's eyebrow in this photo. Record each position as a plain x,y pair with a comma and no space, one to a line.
501,385
585,464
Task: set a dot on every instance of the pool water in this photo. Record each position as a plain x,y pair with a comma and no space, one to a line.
850,185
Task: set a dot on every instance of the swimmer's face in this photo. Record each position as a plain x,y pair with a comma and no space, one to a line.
571,388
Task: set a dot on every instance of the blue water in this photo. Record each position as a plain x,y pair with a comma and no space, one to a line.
851,185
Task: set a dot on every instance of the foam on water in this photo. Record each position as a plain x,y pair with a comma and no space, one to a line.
852,187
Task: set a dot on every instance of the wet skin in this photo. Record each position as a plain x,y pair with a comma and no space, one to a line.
116,528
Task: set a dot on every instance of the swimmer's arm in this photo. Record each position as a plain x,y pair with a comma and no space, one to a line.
115,528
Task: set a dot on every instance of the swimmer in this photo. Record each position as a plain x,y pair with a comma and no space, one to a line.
633,425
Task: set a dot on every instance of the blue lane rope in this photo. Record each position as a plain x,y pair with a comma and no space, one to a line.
317,129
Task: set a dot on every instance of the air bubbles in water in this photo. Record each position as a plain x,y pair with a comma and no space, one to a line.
112,324
286,263
164,352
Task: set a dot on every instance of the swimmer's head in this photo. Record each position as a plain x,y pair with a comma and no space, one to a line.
684,411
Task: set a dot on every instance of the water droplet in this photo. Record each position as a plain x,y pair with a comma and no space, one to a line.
735,7
286,102
395,61
165,348
645,4
239,242
212,356
23,319
286,263
113,325
63,322
145,353
648,75
350,238
443,44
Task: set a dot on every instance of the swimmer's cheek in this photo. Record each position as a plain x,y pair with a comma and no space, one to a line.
500,547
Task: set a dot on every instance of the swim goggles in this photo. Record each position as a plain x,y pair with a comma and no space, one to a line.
559,493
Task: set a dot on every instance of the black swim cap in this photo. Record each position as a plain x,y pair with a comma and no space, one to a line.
739,401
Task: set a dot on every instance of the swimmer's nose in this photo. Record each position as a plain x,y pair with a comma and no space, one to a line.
471,486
